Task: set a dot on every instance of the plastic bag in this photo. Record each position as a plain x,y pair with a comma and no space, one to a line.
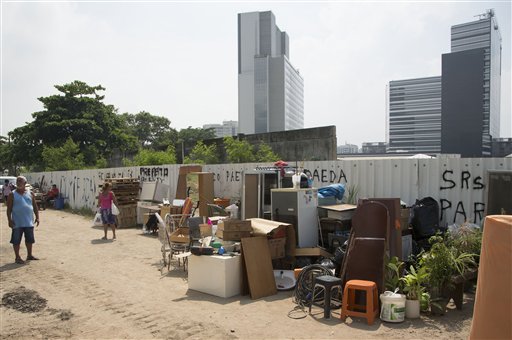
97,222
115,210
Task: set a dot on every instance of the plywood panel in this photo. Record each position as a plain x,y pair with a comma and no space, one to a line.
258,264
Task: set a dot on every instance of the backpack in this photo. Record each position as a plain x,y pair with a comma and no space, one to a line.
425,218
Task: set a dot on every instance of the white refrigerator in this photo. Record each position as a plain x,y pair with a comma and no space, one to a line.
298,207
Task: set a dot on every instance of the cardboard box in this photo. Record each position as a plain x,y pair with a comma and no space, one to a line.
234,225
232,235
277,247
270,229
206,230
315,251
181,235
170,209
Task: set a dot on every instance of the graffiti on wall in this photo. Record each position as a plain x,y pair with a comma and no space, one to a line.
463,183
153,173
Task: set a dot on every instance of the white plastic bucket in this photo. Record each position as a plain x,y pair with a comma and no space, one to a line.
393,307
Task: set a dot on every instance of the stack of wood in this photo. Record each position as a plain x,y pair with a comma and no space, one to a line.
127,194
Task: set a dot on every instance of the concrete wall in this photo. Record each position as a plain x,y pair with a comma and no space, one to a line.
458,184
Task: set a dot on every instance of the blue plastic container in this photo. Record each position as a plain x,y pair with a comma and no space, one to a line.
59,203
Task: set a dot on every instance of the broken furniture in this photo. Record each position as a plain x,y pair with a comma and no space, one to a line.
335,224
349,307
364,259
256,186
395,221
200,190
325,284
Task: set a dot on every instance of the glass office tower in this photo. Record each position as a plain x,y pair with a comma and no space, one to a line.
270,89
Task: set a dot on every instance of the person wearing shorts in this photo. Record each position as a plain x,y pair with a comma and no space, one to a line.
21,208
105,199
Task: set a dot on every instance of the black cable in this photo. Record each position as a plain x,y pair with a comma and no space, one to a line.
303,293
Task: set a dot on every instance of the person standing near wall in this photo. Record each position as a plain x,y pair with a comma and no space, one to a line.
105,200
21,208
6,190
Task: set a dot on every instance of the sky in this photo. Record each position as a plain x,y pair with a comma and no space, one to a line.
179,59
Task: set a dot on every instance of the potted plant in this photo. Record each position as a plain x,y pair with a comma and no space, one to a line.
413,287
441,263
394,268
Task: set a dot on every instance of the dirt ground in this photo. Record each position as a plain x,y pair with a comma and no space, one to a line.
83,287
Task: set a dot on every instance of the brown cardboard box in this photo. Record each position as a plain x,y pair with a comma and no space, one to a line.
234,225
206,230
268,228
181,235
277,247
232,235
169,209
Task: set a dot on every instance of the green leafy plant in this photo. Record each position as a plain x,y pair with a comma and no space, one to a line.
467,240
352,193
394,269
414,282
424,301
443,261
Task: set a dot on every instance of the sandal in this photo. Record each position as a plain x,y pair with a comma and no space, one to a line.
103,238
32,258
19,261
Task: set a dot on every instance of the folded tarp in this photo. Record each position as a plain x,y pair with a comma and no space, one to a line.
333,190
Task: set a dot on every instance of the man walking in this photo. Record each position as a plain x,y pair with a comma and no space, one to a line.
21,207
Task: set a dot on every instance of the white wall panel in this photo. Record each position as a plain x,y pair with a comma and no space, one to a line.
458,184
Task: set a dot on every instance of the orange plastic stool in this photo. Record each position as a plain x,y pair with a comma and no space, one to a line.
349,306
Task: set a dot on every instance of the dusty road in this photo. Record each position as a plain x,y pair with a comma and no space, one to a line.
89,288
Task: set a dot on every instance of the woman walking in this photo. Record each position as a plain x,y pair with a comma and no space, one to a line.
105,200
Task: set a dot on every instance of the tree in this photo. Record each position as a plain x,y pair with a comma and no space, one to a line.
5,155
192,135
66,157
266,154
151,131
77,112
238,151
203,154
150,157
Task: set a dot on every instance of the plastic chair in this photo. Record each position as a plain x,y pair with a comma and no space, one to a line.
325,284
349,307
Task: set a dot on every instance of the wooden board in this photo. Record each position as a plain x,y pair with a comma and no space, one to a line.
258,264
181,187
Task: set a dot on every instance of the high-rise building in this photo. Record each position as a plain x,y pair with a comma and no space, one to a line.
471,87
347,149
270,89
226,129
414,115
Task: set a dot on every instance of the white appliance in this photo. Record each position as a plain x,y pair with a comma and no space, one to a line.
298,207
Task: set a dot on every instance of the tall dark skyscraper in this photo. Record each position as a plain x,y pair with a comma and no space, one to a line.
471,87
459,112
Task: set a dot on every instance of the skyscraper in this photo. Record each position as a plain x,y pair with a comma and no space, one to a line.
471,87
415,115
270,89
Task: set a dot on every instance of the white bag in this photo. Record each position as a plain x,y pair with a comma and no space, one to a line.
115,210
97,222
